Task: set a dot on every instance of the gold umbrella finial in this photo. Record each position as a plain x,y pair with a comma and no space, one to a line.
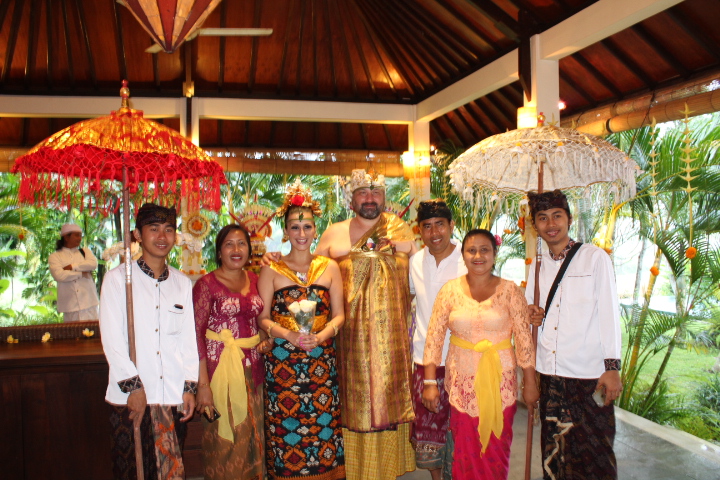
124,94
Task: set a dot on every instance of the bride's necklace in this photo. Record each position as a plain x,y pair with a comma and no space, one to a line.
302,276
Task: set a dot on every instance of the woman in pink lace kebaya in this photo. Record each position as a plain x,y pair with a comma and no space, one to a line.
483,313
227,304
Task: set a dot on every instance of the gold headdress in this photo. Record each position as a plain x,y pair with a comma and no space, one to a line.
360,179
298,196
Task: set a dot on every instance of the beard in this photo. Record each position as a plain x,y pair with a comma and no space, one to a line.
370,210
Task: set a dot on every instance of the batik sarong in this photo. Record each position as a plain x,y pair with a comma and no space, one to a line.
243,459
429,430
576,434
469,462
302,408
157,441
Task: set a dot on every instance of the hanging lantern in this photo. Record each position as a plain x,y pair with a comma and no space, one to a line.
170,22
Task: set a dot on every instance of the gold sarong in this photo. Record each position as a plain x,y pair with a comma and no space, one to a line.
374,345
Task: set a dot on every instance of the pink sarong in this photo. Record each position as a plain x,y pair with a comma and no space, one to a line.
468,461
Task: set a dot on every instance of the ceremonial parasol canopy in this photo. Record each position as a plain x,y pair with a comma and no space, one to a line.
82,165
510,163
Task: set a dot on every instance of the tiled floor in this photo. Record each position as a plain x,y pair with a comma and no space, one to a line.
644,451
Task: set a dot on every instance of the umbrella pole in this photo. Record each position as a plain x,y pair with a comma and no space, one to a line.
131,314
536,301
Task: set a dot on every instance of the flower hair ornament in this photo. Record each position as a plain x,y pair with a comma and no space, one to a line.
298,196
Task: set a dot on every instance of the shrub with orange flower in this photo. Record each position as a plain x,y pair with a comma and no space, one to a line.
691,252
523,284
655,271
528,261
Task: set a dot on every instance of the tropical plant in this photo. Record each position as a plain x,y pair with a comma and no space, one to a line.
677,209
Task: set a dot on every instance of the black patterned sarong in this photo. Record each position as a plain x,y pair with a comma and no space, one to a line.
122,443
577,435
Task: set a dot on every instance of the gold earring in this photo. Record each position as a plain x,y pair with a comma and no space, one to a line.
316,236
285,238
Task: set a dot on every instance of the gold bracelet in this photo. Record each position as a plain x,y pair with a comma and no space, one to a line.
335,327
269,330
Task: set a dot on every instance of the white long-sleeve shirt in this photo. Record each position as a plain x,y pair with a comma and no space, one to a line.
165,342
426,280
75,292
582,326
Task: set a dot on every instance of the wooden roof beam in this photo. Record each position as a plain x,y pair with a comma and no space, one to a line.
122,59
10,48
612,47
596,22
652,42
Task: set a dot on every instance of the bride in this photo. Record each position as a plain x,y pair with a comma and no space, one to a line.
302,412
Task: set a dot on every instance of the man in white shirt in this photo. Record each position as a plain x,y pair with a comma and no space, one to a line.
578,349
158,391
72,267
438,262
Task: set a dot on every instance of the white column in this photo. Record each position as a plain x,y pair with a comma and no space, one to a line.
416,162
545,87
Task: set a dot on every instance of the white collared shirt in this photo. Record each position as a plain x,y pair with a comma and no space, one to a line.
75,292
426,280
165,342
582,326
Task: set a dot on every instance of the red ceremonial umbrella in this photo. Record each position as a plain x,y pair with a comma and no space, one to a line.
91,163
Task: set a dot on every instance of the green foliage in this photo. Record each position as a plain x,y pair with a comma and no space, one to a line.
657,405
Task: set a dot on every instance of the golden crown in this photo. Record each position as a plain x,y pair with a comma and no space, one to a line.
298,196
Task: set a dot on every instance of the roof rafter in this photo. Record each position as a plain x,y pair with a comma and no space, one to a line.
88,47
504,22
68,49
612,47
122,59
14,29
399,66
363,60
32,38
646,37
257,15
49,55
328,27
595,73
298,72
221,54
706,43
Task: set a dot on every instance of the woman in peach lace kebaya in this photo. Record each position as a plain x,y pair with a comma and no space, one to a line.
483,313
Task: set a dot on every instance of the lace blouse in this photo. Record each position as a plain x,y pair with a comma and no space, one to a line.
502,316
217,308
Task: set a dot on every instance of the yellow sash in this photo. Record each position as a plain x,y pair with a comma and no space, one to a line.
487,386
230,377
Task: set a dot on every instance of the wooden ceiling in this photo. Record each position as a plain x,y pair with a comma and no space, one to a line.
399,51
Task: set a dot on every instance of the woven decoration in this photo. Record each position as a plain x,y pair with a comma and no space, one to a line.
81,166
507,163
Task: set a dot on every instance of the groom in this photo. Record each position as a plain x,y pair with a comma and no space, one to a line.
372,249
